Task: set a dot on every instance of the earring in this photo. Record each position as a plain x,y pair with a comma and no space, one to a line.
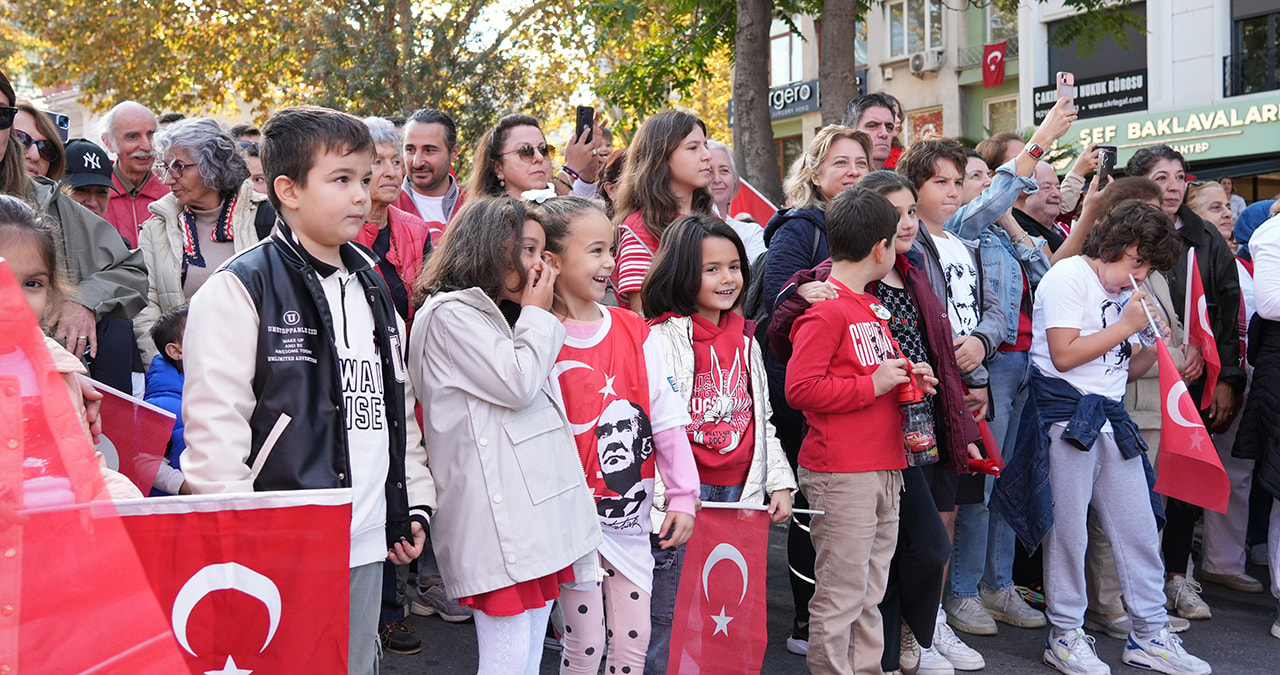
502,184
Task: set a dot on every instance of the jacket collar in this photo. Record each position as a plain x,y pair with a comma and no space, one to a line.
353,258
1192,226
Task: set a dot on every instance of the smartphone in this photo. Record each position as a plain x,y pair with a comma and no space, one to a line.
586,120
62,122
1067,87
1106,163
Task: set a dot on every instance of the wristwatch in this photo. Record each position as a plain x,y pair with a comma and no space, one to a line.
1034,150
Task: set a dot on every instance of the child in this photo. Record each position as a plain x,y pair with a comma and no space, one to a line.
1084,351
843,375
514,510
164,389
294,367
30,251
667,174
626,415
695,284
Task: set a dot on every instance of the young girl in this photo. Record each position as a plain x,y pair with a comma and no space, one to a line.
692,290
626,416
514,511
55,469
667,174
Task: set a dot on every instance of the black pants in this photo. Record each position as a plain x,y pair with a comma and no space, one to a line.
118,358
1179,529
800,553
915,573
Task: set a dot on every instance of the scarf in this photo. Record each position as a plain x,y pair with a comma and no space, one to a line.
190,239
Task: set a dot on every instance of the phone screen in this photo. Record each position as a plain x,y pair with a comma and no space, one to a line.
1067,87
1106,163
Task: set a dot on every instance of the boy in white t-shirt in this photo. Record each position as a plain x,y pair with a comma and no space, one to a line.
1084,350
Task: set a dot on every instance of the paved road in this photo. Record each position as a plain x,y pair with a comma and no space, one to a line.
1236,641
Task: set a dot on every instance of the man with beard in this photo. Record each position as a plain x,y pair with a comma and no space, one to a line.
430,148
127,131
624,441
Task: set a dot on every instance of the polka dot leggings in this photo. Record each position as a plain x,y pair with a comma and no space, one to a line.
627,610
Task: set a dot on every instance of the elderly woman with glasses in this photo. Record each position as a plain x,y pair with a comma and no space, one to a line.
211,214
514,158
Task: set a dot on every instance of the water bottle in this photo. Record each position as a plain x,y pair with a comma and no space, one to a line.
918,439
1148,335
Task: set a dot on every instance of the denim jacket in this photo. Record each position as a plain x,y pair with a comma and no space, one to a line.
1023,493
1000,258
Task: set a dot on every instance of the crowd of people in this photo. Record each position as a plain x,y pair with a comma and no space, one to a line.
530,383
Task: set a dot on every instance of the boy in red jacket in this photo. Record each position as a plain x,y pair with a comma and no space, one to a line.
844,375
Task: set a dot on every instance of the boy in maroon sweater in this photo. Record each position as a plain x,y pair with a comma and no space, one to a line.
844,375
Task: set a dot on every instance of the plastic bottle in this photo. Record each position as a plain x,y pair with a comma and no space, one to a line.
918,438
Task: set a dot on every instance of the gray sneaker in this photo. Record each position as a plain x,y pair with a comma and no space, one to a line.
433,600
967,615
1007,606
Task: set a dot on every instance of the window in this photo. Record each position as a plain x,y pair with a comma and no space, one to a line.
1002,24
914,25
1254,64
786,57
1001,114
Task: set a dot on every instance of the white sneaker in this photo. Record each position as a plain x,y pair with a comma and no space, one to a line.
933,663
960,655
968,615
1275,629
1182,595
1164,654
1007,606
1072,653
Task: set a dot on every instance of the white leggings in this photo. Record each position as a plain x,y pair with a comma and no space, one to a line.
625,607
512,645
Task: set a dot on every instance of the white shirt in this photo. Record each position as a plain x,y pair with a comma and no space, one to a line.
1264,246
431,209
752,236
962,283
1071,296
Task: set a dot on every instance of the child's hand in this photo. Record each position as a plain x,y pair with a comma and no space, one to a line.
817,291
404,553
539,287
1194,365
974,452
676,529
969,352
92,407
924,377
780,506
1134,314
890,374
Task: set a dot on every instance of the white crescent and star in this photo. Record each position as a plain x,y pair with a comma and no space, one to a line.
221,577
1171,404
606,391
721,552
229,669
1202,312
994,59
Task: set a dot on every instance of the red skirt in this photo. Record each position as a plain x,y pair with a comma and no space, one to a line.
518,598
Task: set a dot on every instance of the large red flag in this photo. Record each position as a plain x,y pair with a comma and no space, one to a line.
1199,332
73,596
993,64
1190,469
250,582
720,608
137,431
751,200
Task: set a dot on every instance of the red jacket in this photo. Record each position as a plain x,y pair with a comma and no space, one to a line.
408,245
127,213
453,200
838,345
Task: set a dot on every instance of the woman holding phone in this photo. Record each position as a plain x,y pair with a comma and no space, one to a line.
514,157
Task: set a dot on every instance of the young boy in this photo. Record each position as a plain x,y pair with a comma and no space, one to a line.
844,375
294,363
1083,352
164,390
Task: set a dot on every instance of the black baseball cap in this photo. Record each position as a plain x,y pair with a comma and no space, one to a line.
87,164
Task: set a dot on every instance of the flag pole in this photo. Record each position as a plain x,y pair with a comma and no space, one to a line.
1186,305
755,507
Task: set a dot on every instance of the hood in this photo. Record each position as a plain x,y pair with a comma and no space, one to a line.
815,216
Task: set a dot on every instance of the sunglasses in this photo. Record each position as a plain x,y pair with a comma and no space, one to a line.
48,151
525,151
7,113
175,168
247,145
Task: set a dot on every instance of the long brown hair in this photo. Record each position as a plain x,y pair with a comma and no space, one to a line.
57,165
484,174
479,250
13,170
646,181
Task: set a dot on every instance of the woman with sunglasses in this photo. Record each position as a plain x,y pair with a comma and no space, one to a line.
109,278
42,147
210,214
514,158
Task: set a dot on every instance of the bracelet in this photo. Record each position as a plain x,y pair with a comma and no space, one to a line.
562,181
1020,239
571,172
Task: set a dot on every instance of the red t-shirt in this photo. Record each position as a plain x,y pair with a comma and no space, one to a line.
722,431
837,345
636,246
1023,342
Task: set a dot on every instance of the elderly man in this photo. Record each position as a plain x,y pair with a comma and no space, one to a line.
874,115
430,148
1036,211
88,180
127,131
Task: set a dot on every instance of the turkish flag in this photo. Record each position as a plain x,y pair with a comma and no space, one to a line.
751,200
1199,332
137,431
73,595
1190,469
250,582
993,64
720,607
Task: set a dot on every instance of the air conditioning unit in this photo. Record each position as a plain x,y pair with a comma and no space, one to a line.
926,62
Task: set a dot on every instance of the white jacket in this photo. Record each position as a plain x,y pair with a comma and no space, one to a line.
161,242
769,469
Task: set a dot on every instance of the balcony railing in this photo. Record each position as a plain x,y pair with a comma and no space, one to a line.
971,57
1251,72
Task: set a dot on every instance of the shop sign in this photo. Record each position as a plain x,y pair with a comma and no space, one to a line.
789,101
1098,96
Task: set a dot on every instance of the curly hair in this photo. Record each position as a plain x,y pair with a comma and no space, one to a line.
1142,161
1135,223
217,157
920,161
801,192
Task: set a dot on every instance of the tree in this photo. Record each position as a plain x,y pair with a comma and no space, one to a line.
753,130
836,78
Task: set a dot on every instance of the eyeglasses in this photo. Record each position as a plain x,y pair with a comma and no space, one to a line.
48,151
175,168
525,151
247,145
7,113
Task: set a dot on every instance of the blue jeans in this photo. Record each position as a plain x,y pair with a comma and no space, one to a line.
666,582
985,543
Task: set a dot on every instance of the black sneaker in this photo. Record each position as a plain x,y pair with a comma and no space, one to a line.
397,638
